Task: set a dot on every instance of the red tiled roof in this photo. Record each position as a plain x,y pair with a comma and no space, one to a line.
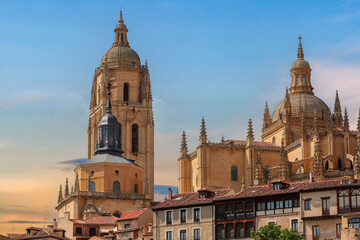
132,214
189,199
42,233
264,190
99,220
96,238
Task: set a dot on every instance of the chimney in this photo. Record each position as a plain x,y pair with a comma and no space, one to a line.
170,193
268,183
55,223
150,228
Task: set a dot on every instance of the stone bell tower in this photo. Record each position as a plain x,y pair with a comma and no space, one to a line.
132,103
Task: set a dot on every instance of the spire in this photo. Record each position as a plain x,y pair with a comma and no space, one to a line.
267,119
66,187
203,136
300,53
346,121
303,128
108,104
89,183
329,122
121,17
250,133
284,166
60,198
357,151
183,149
337,111
77,189
259,170
222,139
315,132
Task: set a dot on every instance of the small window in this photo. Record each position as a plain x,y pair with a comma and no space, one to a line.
93,186
279,204
182,234
260,206
183,216
196,214
307,204
345,182
304,80
116,172
197,235
78,231
339,164
135,138
230,231
269,223
277,186
122,37
92,173
116,214
274,140
326,206
327,165
338,230
202,195
135,175
234,173
126,92
316,232
116,186
92,232
288,203
295,224
296,202
169,217
169,235
127,225
270,205
136,188
297,80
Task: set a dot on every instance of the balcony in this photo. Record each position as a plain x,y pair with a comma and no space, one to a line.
325,212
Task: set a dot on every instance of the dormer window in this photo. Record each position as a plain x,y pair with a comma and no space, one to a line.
277,186
345,182
202,195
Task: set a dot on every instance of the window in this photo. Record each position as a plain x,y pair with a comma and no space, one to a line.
93,186
270,205
345,182
135,138
220,212
183,216
116,186
294,224
230,231
196,214
344,201
116,172
249,226
169,235
122,37
355,222
355,199
136,188
327,165
304,80
316,232
326,206
182,234
126,92
92,173
240,213
239,230
339,164
297,80
307,204
296,202
78,231
277,186
269,223
260,206
229,211
288,203
127,225
234,173
92,232
219,231
169,217
197,234
116,214
249,212
279,204
338,230
274,140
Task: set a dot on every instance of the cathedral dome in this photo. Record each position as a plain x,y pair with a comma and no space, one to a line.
302,101
121,54
300,63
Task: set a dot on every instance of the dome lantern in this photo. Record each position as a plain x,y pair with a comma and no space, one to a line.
121,33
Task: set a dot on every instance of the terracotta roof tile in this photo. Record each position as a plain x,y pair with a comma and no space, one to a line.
132,214
189,199
98,220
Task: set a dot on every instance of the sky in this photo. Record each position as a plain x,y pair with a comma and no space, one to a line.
217,59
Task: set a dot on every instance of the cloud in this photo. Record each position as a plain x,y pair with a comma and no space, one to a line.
68,165
23,98
24,221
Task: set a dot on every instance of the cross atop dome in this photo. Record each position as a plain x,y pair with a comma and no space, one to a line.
300,53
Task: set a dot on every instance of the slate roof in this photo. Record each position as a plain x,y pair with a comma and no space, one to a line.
99,220
111,157
132,214
264,190
190,199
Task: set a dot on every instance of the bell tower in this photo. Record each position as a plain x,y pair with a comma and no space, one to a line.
131,100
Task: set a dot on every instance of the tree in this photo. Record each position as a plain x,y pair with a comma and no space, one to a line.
274,232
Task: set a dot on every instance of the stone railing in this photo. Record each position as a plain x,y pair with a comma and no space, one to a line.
300,176
339,173
293,144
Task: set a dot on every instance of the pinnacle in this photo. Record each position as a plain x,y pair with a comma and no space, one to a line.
250,130
300,53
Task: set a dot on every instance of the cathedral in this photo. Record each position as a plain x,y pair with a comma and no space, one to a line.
302,140
119,175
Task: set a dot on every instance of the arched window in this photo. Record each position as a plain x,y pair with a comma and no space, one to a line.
92,173
327,165
304,80
234,173
351,165
116,172
136,175
116,214
297,80
116,186
93,186
339,164
135,138
136,188
300,170
355,222
273,140
117,37
122,37
126,92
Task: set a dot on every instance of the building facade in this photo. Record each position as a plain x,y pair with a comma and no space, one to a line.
302,136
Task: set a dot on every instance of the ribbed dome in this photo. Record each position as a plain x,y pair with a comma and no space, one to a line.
108,119
307,102
122,55
300,63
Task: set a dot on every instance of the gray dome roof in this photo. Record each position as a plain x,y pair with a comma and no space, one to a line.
108,118
121,54
300,63
308,102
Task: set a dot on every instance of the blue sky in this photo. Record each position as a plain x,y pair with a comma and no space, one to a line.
218,59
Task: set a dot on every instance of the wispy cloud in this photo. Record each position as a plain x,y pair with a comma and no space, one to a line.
23,98
24,221
68,165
